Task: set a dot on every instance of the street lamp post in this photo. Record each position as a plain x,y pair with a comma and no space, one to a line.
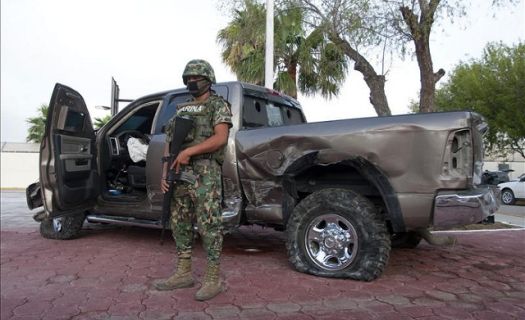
115,97
268,70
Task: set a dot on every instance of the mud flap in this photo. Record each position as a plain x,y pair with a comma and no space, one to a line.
33,196
40,216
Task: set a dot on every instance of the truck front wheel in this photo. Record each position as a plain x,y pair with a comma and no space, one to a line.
338,233
62,228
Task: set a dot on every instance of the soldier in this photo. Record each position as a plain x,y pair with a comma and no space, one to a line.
202,154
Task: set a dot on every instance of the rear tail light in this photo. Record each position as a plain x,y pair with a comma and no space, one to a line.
458,159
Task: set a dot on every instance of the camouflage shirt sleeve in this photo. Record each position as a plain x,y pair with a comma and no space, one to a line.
221,112
169,128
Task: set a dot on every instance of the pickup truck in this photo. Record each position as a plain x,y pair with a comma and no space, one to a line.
344,191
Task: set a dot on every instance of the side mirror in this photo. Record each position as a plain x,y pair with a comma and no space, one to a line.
163,129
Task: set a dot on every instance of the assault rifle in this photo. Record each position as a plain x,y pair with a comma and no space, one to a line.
182,128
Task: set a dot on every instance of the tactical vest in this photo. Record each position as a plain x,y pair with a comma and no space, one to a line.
202,115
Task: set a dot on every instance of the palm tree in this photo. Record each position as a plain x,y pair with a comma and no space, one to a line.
243,43
100,122
308,62
37,124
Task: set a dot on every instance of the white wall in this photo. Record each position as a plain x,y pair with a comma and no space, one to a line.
18,169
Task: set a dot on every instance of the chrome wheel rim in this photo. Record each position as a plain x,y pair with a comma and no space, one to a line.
57,224
331,242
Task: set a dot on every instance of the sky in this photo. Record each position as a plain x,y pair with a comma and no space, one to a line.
145,45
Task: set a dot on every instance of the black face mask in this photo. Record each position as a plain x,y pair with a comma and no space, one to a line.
198,87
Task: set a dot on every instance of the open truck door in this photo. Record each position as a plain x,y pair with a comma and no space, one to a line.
68,170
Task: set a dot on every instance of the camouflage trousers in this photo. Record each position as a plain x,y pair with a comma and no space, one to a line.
199,203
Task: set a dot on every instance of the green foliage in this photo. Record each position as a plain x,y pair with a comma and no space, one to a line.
243,43
413,106
304,61
493,86
100,122
37,125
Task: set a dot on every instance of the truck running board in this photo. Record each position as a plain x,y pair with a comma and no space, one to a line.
126,221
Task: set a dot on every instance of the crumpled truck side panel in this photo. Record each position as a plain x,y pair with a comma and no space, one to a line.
409,150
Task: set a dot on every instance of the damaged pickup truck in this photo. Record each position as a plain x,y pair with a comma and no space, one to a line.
344,191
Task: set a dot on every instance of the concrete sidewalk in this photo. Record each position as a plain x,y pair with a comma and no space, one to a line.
107,274
514,215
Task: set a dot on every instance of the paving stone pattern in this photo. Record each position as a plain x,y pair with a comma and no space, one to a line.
108,271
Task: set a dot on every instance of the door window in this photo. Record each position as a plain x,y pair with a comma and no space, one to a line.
74,121
292,116
275,117
258,112
254,113
169,111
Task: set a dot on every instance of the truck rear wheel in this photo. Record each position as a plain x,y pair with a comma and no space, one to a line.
62,228
338,233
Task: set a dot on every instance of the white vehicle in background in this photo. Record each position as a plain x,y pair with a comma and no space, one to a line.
513,190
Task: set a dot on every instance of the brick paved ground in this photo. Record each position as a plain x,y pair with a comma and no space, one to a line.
107,274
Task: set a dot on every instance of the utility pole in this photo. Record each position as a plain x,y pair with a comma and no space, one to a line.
268,68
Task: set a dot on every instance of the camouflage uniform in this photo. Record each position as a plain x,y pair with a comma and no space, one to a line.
200,202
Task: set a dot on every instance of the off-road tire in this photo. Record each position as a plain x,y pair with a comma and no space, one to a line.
372,238
69,227
406,240
507,197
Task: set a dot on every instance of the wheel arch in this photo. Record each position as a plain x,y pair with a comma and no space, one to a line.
309,173
508,189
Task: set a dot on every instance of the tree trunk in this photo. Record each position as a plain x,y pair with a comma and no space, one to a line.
427,77
375,82
517,145
420,28
292,73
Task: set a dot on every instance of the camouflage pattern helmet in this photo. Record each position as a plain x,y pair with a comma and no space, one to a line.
198,67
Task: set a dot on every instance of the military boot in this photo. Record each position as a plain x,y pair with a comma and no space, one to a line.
211,286
182,278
